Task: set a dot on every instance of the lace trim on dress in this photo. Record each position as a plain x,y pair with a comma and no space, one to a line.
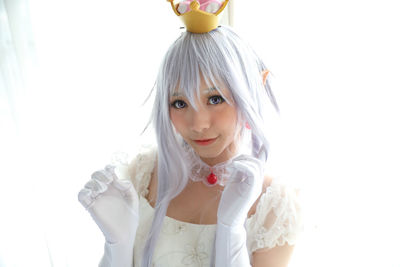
137,169
144,165
277,219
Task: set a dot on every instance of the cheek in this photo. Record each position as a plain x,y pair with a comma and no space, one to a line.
177,120
227,120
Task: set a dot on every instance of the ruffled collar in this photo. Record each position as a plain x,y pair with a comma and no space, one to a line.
202,172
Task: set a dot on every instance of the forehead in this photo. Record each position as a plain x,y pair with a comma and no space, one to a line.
204,89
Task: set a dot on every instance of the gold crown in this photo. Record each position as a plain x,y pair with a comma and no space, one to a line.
196,20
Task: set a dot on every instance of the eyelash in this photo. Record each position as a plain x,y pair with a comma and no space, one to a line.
220,99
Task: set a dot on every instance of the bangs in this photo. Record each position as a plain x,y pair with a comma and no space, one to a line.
191,60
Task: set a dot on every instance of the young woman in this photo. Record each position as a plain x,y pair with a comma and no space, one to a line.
201,197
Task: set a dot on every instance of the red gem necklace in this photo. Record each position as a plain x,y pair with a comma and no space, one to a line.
212,178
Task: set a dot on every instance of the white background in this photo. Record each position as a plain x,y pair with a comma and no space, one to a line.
335,72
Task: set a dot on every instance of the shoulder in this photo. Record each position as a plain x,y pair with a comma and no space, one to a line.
277,217
267,182
137,167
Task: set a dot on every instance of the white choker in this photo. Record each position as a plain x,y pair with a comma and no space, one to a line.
210,176
217,174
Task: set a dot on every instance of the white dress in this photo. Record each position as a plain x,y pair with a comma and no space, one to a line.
277,221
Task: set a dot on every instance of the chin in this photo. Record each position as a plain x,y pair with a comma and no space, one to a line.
204,153
210,152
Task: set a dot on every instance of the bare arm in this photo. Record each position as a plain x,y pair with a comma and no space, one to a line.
278,256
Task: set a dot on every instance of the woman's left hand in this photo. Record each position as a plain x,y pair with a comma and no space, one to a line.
243,188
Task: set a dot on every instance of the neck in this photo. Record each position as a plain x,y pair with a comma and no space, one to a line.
226,155
214,161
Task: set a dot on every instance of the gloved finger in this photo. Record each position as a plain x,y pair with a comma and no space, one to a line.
102,176
242,188
253,163
85,198
234,175
239,171
110,168
247,177
124,186
96,187
248,158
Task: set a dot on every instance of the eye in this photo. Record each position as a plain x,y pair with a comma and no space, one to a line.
216,99
178,104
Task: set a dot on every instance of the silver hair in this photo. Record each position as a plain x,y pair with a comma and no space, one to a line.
219,56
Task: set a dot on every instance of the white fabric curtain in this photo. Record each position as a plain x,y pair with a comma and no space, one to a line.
17,57
19,231
73,76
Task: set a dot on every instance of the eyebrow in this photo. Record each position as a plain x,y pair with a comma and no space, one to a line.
177,94
210,90
206,91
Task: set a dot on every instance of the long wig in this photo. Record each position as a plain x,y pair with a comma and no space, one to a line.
219,56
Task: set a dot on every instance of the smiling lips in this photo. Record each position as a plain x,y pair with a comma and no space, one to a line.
204,142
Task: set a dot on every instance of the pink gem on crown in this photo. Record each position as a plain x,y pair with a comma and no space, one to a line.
209,6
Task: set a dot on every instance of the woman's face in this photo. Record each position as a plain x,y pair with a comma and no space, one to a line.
211,130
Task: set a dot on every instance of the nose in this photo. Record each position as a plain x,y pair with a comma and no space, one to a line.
199,120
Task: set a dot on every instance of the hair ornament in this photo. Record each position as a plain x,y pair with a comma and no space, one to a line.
199,16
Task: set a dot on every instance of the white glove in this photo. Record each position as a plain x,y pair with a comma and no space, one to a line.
242,190
114,206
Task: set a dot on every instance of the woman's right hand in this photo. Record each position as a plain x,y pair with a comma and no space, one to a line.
113,204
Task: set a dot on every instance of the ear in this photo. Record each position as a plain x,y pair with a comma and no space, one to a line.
264,75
